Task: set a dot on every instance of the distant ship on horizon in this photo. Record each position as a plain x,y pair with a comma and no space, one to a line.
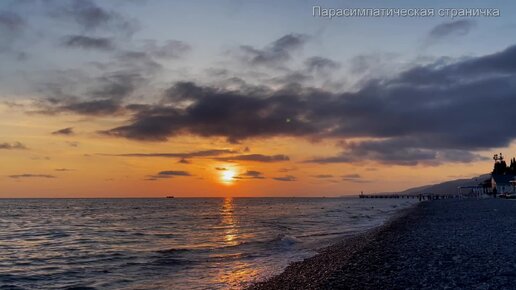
169,196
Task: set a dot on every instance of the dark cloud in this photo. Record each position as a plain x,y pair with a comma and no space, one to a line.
250,174
87,42
451,29
343,158
277,52
29,175
398,151
171,49
373,65
255,158
168,174
391,151
292,78
323,176
173,173
221,168
215,112
66,131
285,178
11,27
95,107
64,169
104,97
90,16
356,178
117,85
10,22
321,64
460,156
138,60
202,153
353,175
12,146
40,158
184,161
185,91
440,112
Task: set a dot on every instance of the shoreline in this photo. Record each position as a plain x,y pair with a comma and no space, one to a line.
457,244
307,274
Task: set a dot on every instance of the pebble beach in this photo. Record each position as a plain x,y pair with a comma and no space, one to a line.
439,244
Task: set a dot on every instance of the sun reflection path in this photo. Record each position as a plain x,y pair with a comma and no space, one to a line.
234,273
240,275
229,222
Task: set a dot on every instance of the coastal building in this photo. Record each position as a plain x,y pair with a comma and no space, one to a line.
481,189
503,183
503,177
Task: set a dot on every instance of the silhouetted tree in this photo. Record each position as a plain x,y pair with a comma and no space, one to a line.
500,166
512,167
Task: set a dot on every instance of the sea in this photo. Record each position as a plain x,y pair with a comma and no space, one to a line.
175,243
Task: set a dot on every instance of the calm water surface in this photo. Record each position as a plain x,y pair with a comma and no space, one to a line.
170,243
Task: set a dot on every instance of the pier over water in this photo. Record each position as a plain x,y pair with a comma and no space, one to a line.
422,196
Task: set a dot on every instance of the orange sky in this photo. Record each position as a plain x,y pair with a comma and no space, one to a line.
90,172
225,98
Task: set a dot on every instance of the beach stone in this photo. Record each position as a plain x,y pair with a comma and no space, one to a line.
439,244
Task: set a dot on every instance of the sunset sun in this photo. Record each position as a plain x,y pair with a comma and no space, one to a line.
227,176
249,144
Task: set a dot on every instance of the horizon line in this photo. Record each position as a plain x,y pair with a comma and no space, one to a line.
181,197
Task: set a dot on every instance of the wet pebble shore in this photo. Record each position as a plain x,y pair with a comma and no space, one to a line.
441,244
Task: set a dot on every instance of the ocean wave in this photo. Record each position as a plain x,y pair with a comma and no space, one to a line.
169,261
286,239
10,287
174,251
181,256
80,288
186,246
